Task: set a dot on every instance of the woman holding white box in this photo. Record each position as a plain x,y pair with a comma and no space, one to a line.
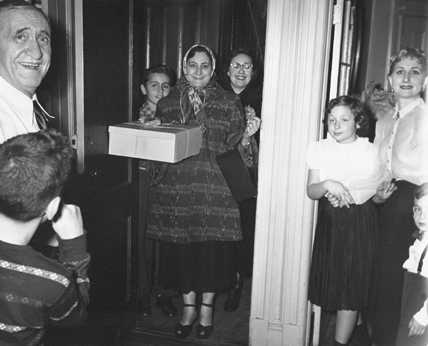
194,214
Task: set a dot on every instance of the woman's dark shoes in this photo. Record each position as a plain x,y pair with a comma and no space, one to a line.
231,303
182,332
337,343
360,336
204,332
143,306
167,307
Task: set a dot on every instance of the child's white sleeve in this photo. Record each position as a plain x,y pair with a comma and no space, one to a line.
422,315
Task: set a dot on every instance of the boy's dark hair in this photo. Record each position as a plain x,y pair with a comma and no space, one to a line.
33,170
421,191
357,109
158,69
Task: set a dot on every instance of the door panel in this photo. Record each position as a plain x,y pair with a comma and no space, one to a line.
412,24
106,187
168,29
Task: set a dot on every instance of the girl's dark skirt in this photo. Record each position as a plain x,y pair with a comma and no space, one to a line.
343,256
196,267
396,227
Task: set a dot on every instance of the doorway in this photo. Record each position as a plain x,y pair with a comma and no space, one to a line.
109,43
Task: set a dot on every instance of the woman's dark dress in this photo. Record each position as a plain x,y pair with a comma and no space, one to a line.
245,249
395,238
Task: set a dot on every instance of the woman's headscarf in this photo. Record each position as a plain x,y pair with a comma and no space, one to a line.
192,99
210,52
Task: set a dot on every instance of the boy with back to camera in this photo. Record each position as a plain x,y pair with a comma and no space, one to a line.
414,304
36,291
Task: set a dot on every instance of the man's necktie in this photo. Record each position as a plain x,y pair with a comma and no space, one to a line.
42,118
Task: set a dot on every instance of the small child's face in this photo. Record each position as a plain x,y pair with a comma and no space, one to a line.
341,125
157,87
420,213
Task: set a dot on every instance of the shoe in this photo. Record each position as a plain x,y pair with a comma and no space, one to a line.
204,332
143,306
360,336
167,308
182,332
231,303
337,343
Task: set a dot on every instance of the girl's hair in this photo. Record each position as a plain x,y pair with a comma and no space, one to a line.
421,191
158,69
357,109
408,53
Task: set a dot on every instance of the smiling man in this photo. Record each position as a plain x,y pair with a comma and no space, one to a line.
25,56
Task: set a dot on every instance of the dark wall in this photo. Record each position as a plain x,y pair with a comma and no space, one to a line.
166,29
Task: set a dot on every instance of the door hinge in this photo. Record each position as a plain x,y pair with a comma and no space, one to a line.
338,13
73,141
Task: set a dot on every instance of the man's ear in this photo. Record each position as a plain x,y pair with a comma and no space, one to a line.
52,208
143,89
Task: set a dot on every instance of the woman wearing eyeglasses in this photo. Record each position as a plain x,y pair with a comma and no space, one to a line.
240,70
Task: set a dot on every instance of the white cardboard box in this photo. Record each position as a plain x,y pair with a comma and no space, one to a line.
166,143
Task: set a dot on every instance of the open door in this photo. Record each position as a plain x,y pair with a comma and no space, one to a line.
93,90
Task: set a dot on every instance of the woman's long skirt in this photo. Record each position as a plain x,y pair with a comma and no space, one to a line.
197,267
396,227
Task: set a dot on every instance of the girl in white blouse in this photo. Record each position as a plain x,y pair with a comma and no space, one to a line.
345,166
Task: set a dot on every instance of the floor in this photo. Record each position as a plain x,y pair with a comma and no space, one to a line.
127,328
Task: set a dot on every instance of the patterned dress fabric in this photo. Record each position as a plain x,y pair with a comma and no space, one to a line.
194,214
194,203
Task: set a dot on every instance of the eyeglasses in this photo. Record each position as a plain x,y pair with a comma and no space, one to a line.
237,66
